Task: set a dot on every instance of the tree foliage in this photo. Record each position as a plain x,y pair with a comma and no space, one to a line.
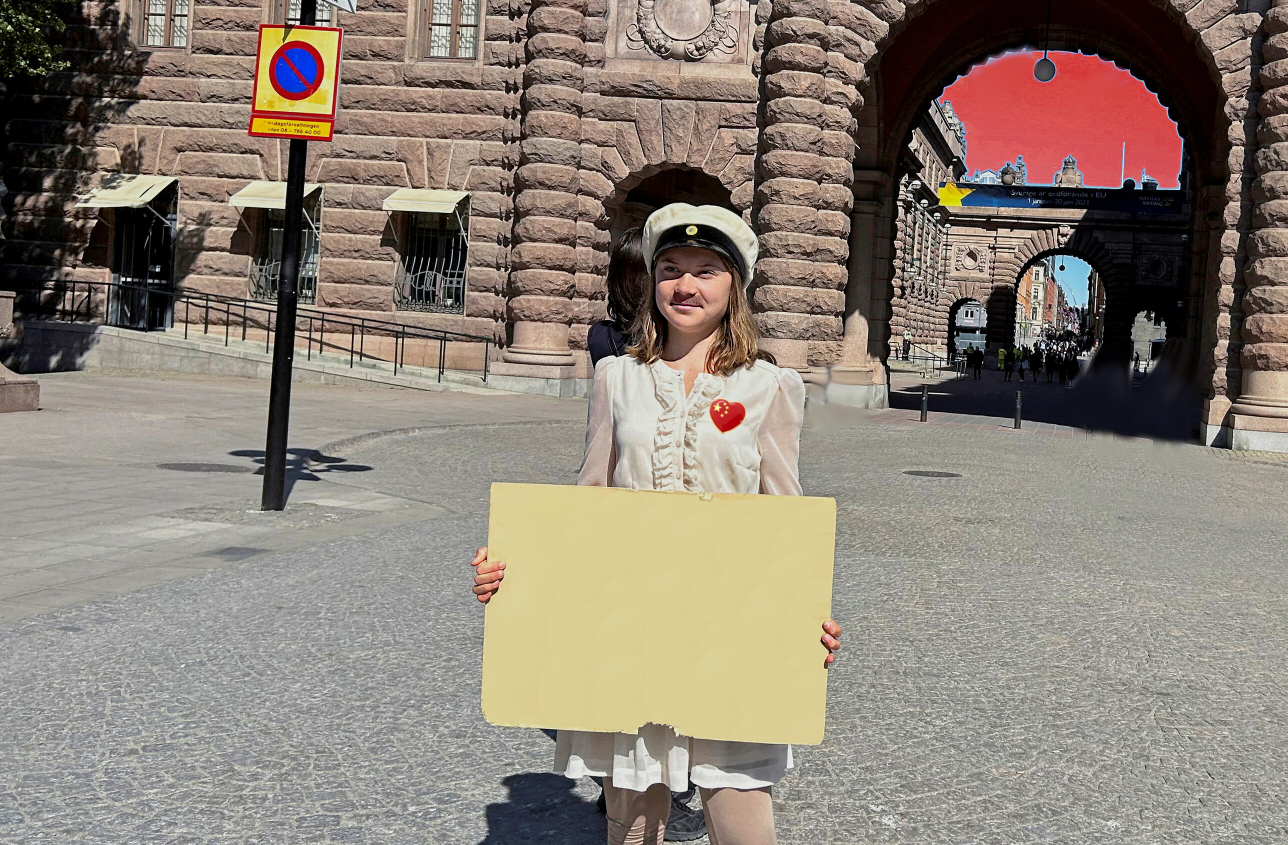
29,31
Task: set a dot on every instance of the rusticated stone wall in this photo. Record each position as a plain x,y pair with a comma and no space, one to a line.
548,130
184,112
814,58
1264,354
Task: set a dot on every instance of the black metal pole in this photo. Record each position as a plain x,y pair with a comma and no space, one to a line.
279,394
925,401
1018,400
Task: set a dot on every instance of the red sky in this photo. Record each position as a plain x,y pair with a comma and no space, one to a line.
1087,111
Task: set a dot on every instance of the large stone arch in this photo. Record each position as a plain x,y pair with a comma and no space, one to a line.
1199,58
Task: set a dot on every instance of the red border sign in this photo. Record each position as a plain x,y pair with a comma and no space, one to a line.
280,58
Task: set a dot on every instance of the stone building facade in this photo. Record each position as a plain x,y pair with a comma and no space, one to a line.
561,119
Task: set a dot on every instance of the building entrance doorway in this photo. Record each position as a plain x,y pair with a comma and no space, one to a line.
677,184
143,264
967,326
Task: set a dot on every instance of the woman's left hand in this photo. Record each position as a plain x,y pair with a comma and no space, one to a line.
831,639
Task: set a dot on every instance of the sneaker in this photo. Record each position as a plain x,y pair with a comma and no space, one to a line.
685,823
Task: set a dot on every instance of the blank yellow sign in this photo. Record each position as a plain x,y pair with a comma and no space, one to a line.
627,607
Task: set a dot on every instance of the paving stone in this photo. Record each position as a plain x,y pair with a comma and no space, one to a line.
1075,641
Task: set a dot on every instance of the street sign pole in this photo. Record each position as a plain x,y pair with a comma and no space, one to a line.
279,394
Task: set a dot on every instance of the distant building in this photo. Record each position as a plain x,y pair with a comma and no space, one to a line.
1030,303
1095,321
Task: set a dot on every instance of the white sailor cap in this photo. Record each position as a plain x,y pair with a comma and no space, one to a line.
705,227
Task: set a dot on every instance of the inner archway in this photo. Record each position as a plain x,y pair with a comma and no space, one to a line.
676,184
983,254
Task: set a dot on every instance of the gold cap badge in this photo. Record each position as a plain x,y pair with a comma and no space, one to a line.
692,230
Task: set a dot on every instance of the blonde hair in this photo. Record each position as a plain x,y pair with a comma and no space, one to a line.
737,342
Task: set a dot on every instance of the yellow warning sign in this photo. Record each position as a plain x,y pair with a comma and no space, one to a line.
297,82
268,126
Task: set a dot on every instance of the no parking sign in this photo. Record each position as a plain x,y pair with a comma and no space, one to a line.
297,82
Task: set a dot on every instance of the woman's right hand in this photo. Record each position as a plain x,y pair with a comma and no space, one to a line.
487,575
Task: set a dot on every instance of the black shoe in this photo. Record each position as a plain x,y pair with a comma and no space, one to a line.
685,823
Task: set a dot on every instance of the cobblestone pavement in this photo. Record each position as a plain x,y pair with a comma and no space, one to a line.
124,481
1145,405
1073,641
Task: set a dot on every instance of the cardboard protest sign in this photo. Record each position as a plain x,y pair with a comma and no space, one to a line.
627,607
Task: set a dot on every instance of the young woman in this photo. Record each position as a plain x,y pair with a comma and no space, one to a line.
628,286
660,420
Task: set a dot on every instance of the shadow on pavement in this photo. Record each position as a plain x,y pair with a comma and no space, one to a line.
542,808
302,464
1103,399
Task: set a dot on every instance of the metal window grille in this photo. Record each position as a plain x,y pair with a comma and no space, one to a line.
453,29
292,17
166,23
266,267
431,274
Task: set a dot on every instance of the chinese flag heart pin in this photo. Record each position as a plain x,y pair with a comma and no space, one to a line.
727,415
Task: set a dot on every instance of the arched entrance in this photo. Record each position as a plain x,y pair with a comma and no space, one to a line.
967,326
917,56
677,184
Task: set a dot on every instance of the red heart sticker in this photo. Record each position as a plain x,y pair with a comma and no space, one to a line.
727,415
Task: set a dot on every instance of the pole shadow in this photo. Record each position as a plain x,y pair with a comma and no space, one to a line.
302,465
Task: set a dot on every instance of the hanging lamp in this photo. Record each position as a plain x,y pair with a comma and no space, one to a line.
1044,70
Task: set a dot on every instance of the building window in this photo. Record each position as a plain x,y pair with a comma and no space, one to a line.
165,23
431,269
288,12
266,267
452,29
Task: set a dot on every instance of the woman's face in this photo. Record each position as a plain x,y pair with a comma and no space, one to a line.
692,287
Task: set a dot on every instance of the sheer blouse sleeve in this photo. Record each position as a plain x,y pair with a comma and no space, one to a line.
780,437
601,454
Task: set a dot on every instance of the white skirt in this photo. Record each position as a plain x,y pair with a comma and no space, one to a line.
656,754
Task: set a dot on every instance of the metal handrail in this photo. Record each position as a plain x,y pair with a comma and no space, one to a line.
934,362
75,301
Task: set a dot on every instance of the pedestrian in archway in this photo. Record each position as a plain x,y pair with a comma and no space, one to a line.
628,287
696,343
1036,360
1008,362
907,343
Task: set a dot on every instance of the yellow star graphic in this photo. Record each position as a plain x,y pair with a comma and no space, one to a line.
950,194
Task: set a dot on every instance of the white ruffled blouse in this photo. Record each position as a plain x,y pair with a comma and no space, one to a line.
730,434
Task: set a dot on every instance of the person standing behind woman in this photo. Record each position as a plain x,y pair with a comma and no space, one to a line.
628,286
660,420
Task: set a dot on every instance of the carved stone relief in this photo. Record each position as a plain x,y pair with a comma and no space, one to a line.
1155,269
971,259
685,30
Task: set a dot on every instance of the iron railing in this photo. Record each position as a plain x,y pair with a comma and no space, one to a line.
431,275
265,277
931,363
333,334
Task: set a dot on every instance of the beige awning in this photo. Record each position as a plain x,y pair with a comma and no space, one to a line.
424,201
262,194
123,190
